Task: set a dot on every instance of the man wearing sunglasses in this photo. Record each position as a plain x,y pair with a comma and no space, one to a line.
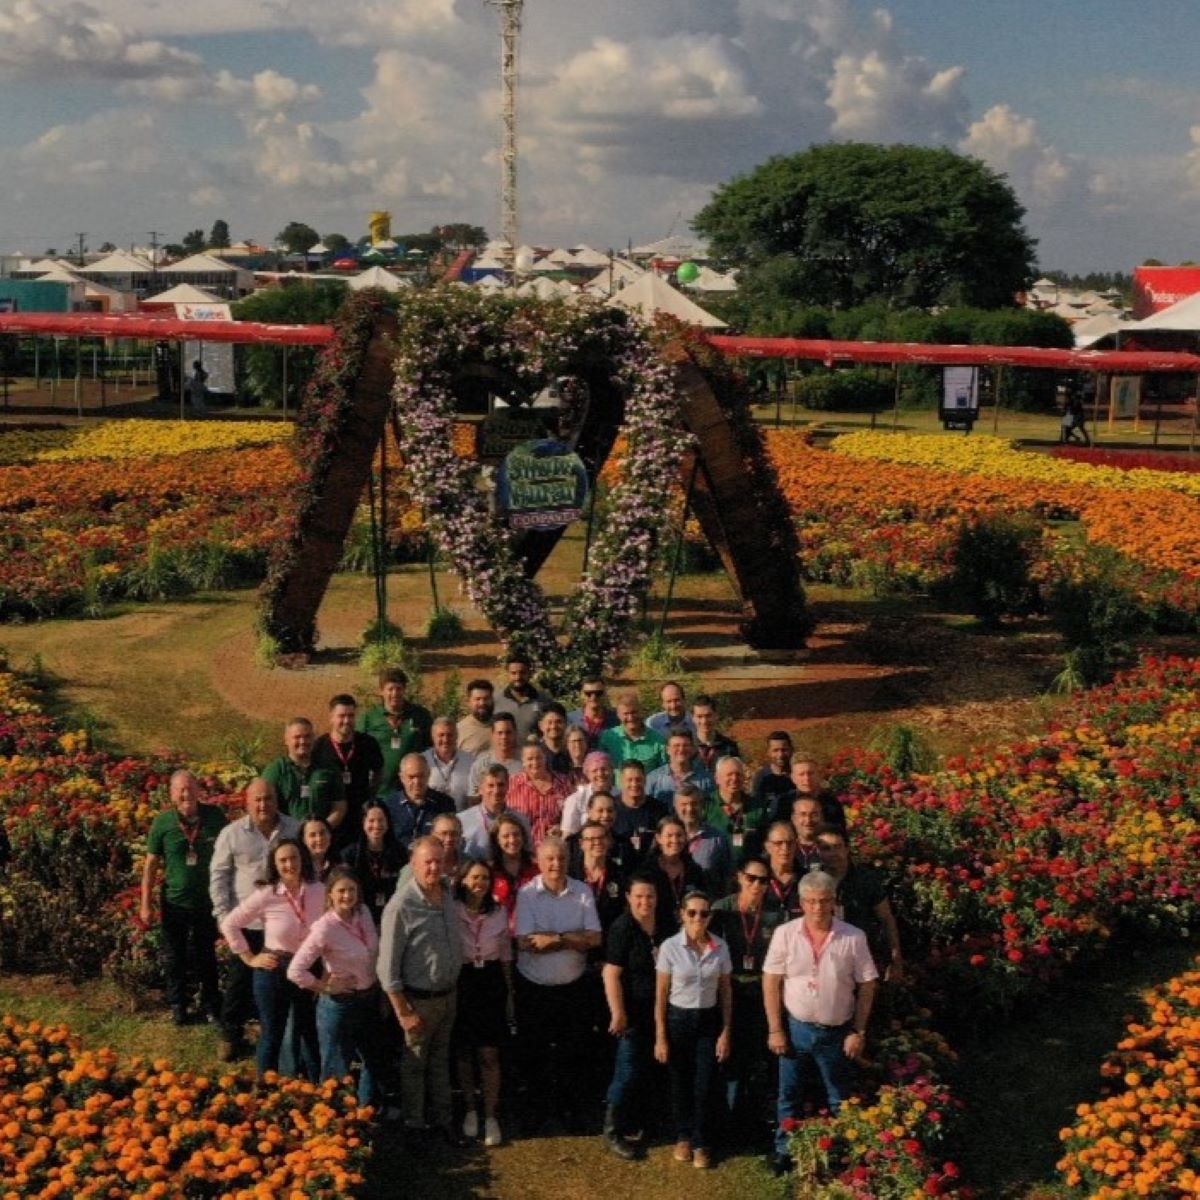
594,716
745,924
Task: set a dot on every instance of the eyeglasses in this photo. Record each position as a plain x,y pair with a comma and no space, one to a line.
702,913
592,693
762,880
599,837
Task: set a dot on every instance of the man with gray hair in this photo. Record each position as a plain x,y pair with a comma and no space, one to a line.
420,955
449,767
818,986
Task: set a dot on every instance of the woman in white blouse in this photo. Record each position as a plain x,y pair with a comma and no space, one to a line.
693,1017
349,1002
286,903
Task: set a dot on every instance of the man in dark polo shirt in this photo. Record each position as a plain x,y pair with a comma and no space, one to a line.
302,788
355,757
399,726
180,847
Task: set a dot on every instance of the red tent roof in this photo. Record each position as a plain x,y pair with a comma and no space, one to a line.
164,329
829,352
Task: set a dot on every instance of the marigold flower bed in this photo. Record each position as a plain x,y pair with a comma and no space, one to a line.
76,1123
1143,1138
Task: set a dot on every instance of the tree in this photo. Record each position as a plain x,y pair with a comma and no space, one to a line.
219,238
107,247
459,235
335,243
296,237
842,224
193,241
174,250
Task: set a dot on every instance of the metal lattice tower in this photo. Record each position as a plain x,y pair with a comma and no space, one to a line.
510,36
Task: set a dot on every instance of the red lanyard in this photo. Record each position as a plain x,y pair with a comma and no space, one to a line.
748,937
355,929
477,937
598,887
783,895
297,909
817,950
344,759
190,833
677,888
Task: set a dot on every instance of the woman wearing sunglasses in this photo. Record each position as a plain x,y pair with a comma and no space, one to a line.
693,1022
745,922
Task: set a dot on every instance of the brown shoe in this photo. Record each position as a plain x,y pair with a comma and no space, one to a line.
683,1152
701,1160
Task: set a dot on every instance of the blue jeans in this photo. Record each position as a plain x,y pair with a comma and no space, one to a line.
692,1064
348,1026
811,1044
276,998
633,1062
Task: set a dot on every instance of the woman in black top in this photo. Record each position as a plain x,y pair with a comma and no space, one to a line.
629,982
376,858
672,868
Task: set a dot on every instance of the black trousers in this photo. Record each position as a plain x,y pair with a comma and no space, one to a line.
190,943
237,1005
553,1023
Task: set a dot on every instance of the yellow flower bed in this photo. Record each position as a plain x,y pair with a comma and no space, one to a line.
136,439
983,454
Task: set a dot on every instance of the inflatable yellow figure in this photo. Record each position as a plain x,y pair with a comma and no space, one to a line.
380,225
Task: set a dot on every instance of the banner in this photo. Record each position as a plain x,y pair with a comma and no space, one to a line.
203,312
1156,288
960,390
1126,396
542,485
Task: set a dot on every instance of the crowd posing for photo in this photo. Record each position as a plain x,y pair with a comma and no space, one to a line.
531,917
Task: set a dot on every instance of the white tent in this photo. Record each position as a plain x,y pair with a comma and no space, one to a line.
620,275
184,293
317,248
45,265
1096,328
545,289
61,273
651,295
490,283
709,280
585,256
487,262
377,277
545,265
563,257
206,271
672,247
118,263
1183,317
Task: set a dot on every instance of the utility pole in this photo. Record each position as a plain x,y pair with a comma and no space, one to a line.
153,236
79,238
510,35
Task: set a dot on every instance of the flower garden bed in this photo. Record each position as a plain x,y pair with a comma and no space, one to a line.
1143,1137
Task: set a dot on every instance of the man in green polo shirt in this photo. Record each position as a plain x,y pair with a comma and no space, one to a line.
180,847
399,726
633,740
302,788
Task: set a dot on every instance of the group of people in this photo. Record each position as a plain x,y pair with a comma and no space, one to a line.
545,907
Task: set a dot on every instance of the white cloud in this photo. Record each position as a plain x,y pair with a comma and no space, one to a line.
1012,144
875,97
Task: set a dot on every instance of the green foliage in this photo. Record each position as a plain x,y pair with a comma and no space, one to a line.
444,628
218,239
1095,607
843,223
193,241
449,701
266,651
993,558
296,304
296,237
384,646
856,390
335,243
904,749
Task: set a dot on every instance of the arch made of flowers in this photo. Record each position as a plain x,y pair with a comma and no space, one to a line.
633,392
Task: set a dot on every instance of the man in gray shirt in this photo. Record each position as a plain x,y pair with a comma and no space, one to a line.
239,861
420,954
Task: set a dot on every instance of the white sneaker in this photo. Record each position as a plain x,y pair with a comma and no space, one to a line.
491,1132
471,1125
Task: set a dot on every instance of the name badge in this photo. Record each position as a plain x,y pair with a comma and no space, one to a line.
395,742
346,777
305,792
737,839
747,962
191,859
478,963
380,900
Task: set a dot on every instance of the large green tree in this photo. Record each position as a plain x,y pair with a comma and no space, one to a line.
846,223
296,237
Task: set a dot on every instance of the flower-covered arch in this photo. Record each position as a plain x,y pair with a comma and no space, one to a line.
632,387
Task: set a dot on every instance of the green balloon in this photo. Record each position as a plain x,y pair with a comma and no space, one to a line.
688,272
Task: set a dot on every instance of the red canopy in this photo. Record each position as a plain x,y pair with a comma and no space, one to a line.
164,329
829,352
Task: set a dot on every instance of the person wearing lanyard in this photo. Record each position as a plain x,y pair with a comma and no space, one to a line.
303,788
512,860
399,726
552,725
711,744
355,758
734,812
449,767
180,845
485,997
593,716
783,893
376,858
818,988
288,903
598,777
637,814
537,793
315,835
502,751
682,766
693,1023
629,985
774,780
672,867
344,939
745,923
806,820
479,820
475,729
577,747
707,846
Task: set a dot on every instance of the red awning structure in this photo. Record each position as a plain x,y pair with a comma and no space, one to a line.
164,329
1131,362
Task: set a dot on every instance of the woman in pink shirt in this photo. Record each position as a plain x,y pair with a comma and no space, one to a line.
349,1002
286,903
485,996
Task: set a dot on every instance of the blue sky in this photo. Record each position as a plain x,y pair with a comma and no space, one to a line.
123,116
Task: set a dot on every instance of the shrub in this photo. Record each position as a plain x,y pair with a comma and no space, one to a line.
856,390
993,558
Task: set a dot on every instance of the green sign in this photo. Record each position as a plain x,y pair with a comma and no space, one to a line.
499,434
542,485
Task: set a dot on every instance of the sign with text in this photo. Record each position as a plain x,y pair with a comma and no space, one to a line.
960,397
1126,396
542,485
1156,288
203,312
498,435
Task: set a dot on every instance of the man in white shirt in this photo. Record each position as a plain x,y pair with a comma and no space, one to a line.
449,767
818,987
503,750
556,926
478,820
